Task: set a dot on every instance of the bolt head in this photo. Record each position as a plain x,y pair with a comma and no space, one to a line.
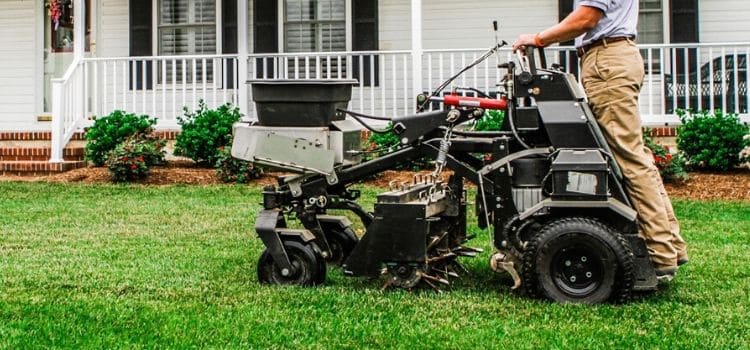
285,272
573,279
589,274
568,263
584,259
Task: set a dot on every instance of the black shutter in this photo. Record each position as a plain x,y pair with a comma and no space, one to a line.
229,40
684,29
684,21
565,7
365,38
140,43
265,34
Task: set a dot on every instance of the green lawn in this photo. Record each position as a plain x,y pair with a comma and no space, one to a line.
143,267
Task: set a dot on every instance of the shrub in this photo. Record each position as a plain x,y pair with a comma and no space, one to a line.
378,144
111,130
745,153
492,120
131,159
205,131
711,141
230,169
671,166
384,142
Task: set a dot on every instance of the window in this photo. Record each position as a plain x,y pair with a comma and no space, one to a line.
314,25
651,22
187,27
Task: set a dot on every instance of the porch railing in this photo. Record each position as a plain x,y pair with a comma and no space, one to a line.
684,76
68,107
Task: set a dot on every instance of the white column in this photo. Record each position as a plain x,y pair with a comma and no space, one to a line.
79,28
416,46
57,122
242,24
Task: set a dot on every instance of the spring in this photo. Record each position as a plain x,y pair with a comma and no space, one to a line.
445,146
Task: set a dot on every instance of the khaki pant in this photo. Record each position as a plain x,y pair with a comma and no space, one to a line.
612,76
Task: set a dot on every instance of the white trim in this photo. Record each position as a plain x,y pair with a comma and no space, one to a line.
155,27
219,24
666,5
279,25
416,46
348,25
242,48
39,11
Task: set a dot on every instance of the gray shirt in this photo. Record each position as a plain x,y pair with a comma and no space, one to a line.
620,19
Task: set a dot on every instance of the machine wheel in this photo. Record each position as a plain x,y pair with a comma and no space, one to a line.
578,260
341,241
309,266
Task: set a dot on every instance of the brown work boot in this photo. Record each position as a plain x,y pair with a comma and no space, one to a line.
665,274
682,259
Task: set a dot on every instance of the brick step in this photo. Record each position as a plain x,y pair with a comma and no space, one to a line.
78,136
37,168
38,153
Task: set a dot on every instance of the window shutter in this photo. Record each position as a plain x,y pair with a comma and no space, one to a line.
140,43
565,7
229,39
684,21
365,38
265,34
684,29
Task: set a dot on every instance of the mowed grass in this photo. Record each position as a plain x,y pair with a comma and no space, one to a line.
144,267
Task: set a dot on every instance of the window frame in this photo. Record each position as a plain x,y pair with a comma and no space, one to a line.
318,27
156,43
281,27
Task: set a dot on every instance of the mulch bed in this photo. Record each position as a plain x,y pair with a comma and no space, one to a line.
701,186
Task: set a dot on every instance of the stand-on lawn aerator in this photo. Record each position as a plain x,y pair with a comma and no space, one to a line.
548,190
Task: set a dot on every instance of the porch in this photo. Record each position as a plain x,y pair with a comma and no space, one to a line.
694,76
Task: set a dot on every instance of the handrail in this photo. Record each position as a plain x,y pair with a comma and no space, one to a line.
67,110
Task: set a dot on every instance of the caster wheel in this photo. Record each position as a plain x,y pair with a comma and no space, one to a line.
309,267
341,241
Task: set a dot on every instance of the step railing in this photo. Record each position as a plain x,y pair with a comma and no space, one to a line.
68,107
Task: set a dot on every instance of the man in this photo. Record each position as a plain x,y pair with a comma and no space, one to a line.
612,74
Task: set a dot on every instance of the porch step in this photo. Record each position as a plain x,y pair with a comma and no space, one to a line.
33,136
37,168
38,153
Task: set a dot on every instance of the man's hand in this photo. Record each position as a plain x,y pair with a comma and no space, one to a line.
580,21
523,41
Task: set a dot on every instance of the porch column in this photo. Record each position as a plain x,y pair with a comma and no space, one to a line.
242,96
79,28
416,46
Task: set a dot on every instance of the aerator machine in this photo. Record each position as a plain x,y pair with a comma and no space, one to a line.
548,191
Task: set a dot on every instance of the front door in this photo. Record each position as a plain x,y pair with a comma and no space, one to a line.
58,42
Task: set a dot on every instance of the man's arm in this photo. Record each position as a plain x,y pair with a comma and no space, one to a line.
578,22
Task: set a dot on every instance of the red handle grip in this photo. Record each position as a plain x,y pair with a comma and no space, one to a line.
464,101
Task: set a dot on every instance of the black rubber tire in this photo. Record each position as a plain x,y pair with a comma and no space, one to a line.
310,268
341,241
579,260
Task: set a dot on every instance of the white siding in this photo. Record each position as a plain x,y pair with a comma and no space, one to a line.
114,37
394,24
724,21
450,24
18,68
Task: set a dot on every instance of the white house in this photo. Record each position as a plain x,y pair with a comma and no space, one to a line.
158,56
